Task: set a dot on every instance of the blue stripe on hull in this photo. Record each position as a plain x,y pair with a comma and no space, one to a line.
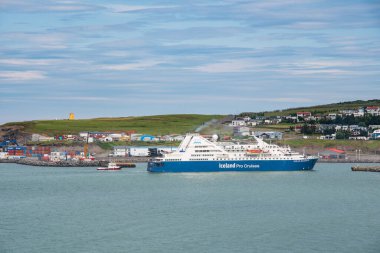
220,166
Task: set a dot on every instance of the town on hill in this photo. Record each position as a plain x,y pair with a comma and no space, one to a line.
342,131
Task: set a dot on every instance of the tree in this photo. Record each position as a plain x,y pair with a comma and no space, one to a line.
328,131
338,120
363,133
340,135
306,129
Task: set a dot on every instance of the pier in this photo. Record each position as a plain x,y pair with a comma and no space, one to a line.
366,168
126,163
62,163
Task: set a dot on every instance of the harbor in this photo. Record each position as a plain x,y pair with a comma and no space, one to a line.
73,208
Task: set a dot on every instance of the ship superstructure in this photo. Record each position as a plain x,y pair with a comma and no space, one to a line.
197,154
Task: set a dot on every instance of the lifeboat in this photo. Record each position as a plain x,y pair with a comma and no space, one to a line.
254,151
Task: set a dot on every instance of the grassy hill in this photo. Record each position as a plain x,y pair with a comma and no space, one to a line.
348,145
321,109
156,125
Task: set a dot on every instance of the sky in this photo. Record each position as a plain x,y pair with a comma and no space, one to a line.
127,58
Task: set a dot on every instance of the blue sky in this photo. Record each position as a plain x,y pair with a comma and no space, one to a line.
121,58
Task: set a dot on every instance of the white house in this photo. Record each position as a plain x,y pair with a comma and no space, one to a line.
332,116
241,131
138,151
106,139
359,113
41,138
238,122
120,151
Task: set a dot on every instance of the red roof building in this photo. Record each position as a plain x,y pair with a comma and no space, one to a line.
333,153
303,114
336,150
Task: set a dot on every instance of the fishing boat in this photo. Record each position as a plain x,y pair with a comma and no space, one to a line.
111,166
198,154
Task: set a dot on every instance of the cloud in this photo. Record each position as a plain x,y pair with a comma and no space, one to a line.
256,99
317,71
47,6
239,65
71,7
36,40
22,75
28,62
129,8
328,63
131,66
80,98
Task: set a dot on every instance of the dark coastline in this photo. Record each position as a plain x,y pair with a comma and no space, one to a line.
96,163
347,161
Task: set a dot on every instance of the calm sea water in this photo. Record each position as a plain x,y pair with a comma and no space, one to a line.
51,210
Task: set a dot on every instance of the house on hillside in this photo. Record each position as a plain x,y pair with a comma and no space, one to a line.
303,116
241,131
328,137
347,112
373,110
373,127
359,113
376,134
331,116
238,122
269,135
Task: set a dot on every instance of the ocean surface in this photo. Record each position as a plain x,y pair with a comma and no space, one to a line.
330,209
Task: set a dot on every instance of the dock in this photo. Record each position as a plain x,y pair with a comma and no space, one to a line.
126,165
366,168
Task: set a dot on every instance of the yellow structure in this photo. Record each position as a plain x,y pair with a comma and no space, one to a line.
85,151
71,117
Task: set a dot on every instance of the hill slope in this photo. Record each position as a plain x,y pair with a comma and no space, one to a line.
156,125
320,109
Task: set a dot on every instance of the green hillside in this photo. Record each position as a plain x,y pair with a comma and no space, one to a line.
156,125
320,109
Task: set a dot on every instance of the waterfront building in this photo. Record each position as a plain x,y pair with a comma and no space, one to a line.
333,153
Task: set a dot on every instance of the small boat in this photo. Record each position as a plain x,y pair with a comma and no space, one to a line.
111,166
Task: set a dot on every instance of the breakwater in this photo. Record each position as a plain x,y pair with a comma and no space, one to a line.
366,168
127,162
32,162
129,159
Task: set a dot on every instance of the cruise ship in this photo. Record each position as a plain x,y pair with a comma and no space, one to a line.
198,154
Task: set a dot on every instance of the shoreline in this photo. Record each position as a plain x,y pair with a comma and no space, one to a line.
102,163
347,161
